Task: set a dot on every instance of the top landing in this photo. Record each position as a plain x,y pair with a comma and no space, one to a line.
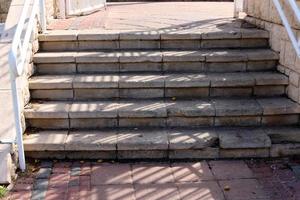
151,16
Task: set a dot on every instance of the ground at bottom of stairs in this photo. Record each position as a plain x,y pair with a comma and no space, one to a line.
197,180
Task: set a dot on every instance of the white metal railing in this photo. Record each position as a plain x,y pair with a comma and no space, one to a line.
295,41
17,60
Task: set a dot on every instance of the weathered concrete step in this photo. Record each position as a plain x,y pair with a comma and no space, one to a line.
177,39
187,113
156,61
200,143
142,86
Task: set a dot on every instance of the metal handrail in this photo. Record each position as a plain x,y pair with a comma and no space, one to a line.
17,60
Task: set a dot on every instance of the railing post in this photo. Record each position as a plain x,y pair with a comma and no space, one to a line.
17,116
43,15
235,9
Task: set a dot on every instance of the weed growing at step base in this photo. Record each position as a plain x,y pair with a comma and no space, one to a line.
3,191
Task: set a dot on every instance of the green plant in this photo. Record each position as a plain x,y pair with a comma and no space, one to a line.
3,191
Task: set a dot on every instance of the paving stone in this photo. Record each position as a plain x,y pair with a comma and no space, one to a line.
140,35
207,153
142,140
156,192
283,134
51,57
142,109
217,67
142,81
55,110
58,46
96,81
69,35
176,35
51,82
230,170
262,55
93,155
139,44
97,57
193,108
232,80
112,192
152,174
187,81
93,35
191,172
58,69
141,93
94,109
43,173
142,154
269,78
284,150
98,45
54,95
221,34
269,91
103,174
190,121
246,189
280,120
273,106
236,107
38,194
41,184
45,141
183,56
225,56
231,92
238,121
140,56
46,164
180,44
192,139
244,153
187,93
243,139
96,94
206,190
91,141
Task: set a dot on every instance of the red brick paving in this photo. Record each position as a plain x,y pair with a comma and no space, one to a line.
205,180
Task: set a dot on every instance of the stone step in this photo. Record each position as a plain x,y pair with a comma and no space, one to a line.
150,85
179,143
156,61
162,113
174,39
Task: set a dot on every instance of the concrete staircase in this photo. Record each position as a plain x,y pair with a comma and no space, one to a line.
153,95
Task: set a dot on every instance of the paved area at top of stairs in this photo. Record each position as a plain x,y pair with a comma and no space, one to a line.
164,16
203,180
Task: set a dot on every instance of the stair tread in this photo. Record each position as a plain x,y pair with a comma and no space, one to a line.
159,139
209,55
72,35
162,108
152,80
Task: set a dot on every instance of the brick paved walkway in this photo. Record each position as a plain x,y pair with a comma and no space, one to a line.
206,180
150,16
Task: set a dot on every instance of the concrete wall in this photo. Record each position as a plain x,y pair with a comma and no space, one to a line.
264,14
4,6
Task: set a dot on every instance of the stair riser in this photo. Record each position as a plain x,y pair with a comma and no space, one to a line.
163,122
207,153
152,44
152,93
91,68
